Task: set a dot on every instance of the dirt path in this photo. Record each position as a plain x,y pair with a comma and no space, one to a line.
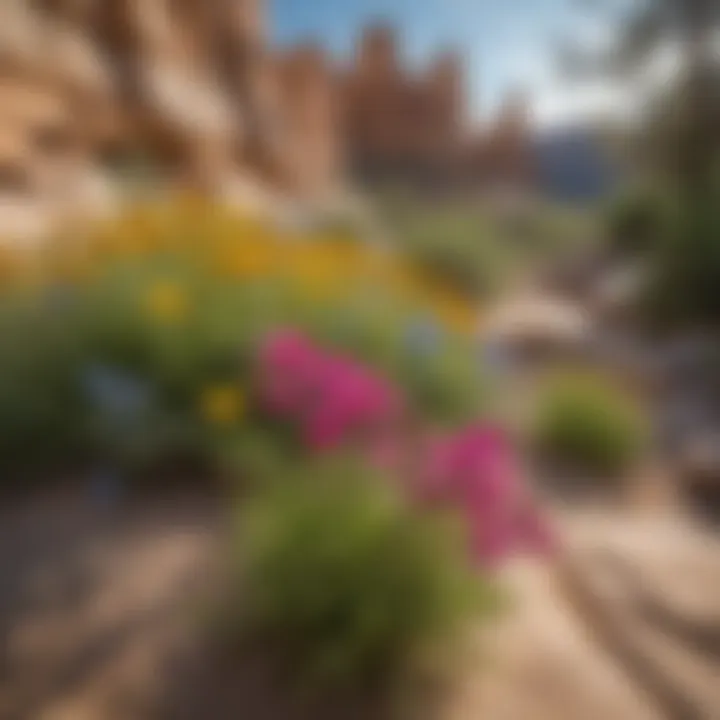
544,664
651,586
640,640
97,608
94,604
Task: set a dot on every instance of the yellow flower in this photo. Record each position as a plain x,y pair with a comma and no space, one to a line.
460,315
11,264
245,260
166,301
222,404
316,271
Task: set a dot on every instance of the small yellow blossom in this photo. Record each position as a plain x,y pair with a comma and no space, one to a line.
222,404
166,301
317,272
242,260
11,264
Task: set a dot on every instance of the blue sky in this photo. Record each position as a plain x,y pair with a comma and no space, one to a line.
507,43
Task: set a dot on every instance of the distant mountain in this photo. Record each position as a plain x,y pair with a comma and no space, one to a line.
573,164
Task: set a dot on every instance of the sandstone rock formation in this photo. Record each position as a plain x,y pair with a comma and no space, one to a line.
98,95
307,95
503,156
398,123
186,90
415,126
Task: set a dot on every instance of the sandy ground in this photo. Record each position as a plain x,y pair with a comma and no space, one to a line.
94,603
544,664
98,610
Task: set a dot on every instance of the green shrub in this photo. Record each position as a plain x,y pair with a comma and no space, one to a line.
687,265
438,372
49,348
164,312
456,243
554,229
460,249
636,222
447,386
589,424
346,583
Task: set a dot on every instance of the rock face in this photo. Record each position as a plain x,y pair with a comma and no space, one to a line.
188,90
415,125
307,95
94,93
503,156
396,122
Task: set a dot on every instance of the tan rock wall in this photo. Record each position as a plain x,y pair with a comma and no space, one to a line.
309,107
193,90
190,86
396,122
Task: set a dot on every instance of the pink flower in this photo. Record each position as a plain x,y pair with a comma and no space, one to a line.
329,397
333,400
475,470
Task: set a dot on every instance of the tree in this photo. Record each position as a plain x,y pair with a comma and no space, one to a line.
681,134
685,121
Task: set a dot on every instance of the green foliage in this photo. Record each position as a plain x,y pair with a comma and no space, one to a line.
448,386
51,339
678,235
589,424
347,583
636,222
687,265
442,378
39,407
475,246
455,242
553,229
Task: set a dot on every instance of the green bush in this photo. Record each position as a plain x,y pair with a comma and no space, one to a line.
39,406
589,424
448,386
347,584
437,371
687,265
456,243
460,249
636,222
475,246
53,341
135,343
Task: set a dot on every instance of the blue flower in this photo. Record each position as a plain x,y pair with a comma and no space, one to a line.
497,357
423,337
117,394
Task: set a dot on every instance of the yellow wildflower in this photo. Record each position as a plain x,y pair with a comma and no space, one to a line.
222,404
166,301
245,260
460,315
316,271
10,264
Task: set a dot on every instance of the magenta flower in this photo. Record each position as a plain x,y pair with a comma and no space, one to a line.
476,471
332,400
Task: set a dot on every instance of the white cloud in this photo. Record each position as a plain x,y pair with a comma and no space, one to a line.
558,103
557,100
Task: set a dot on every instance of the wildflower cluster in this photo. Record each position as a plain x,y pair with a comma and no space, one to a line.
334,401
476,470
235,249
332,398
